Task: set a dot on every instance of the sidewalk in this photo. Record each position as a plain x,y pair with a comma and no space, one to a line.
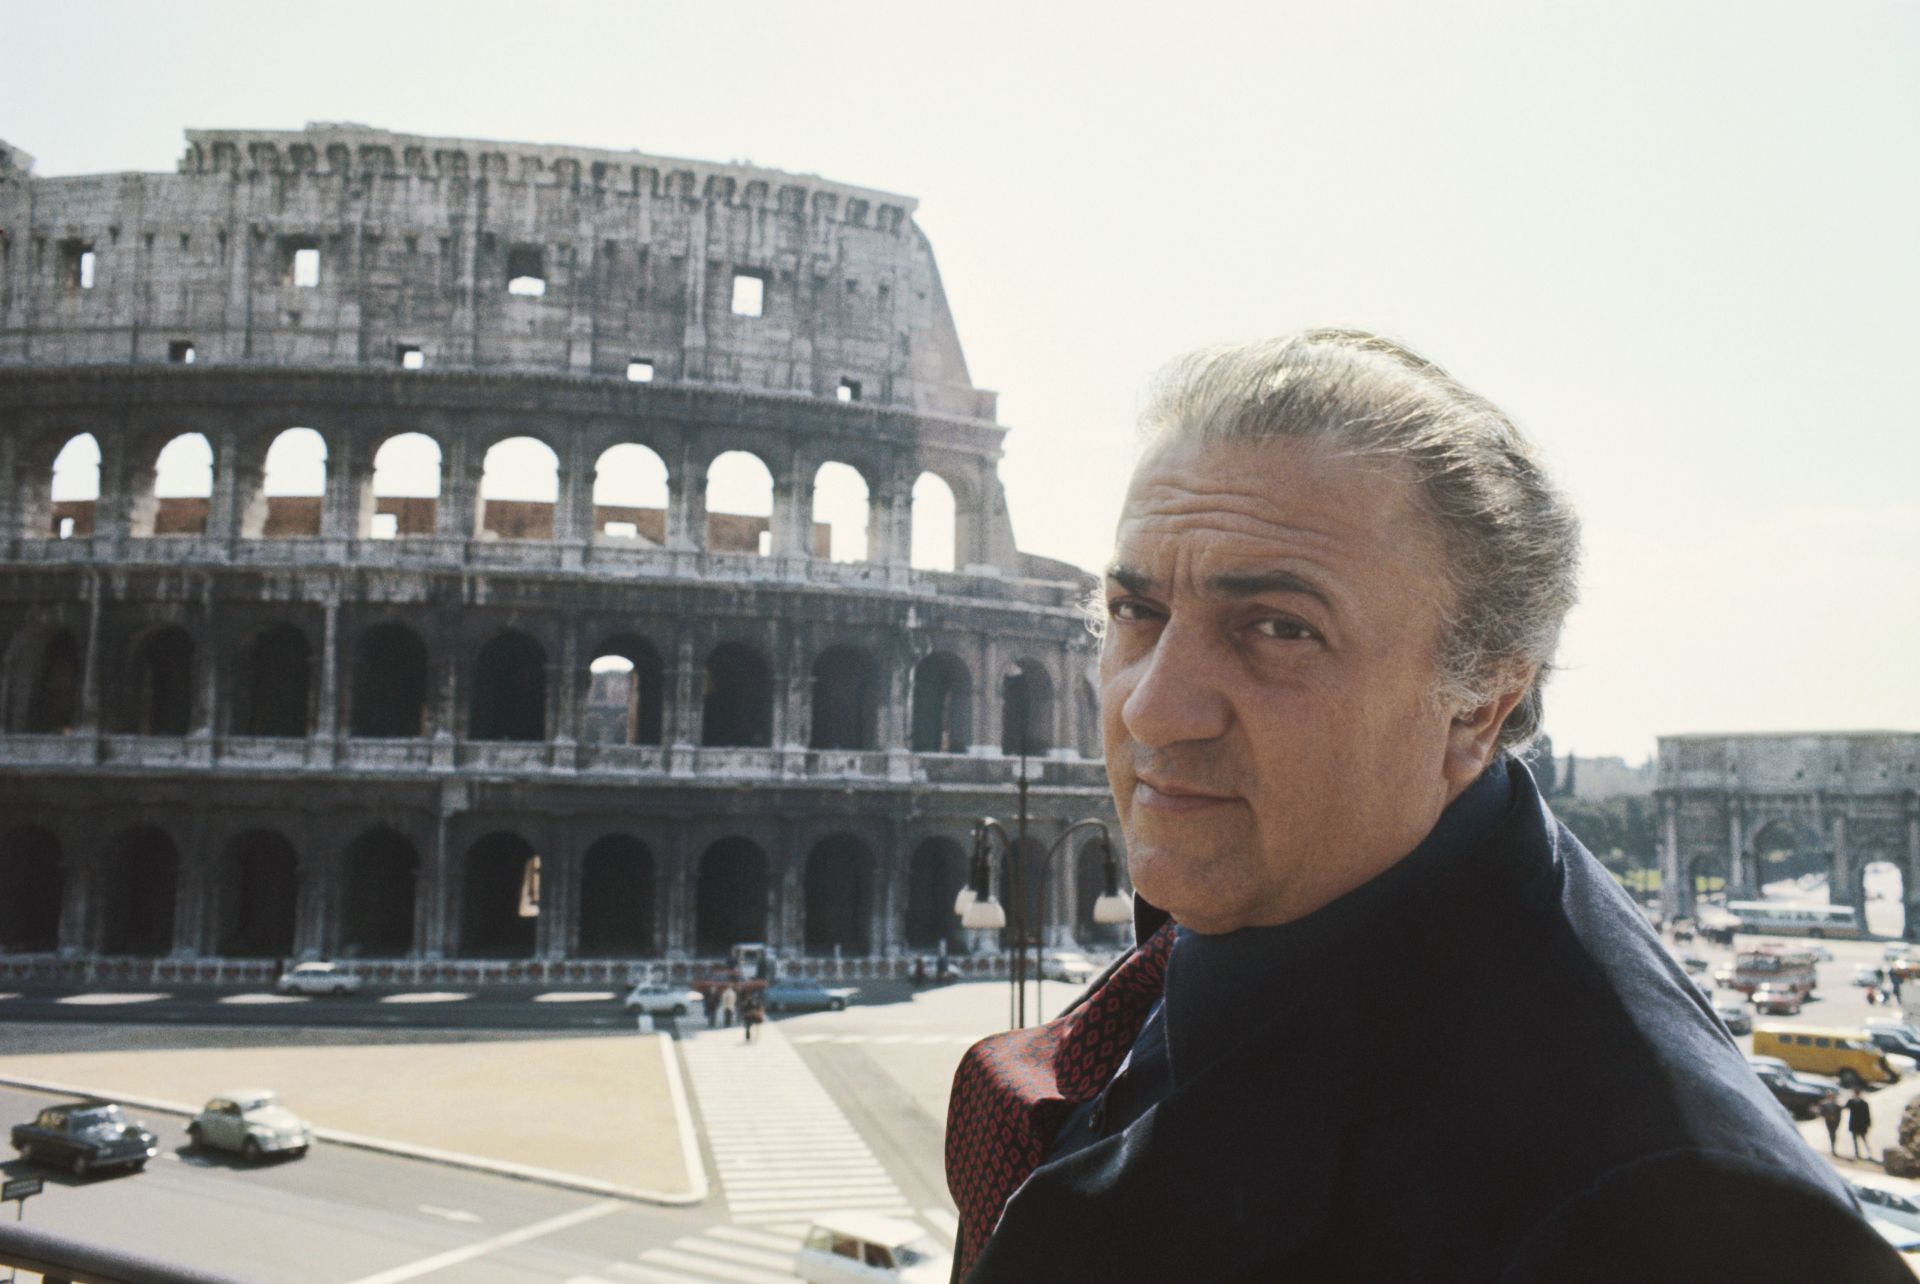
601,1112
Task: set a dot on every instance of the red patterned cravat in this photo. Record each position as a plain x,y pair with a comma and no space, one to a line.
1013,1090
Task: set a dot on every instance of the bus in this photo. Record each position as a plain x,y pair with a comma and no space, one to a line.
1836,922
1769,965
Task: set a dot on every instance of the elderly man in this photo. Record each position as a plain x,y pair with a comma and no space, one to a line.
1387,1019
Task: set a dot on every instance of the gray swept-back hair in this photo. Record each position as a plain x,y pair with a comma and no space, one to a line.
1511,541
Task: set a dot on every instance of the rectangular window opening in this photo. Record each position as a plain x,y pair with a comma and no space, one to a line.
411,358
622,530
306,267
86,270
181,352
66,528
639,370
849,390
749,294
76,265
385,526
527,271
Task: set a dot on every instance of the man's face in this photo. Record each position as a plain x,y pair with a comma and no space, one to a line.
1268,678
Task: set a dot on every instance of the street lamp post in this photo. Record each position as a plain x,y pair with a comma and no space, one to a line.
978,909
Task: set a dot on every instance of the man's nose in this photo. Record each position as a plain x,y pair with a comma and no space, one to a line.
1178,696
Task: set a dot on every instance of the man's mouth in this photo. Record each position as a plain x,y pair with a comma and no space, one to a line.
1172,796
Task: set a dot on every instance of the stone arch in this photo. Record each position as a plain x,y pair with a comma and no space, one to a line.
1089,741
942,704
293,488
625,690
53,701
737,710
936,872
388,697
509,689
138,882
846,699
381,874
730,897
617,899
843,504
406,487
839,896
1785,847
519,490
73,489
276,692
631,495
256,895
1026,709
178,498
32,881
494,922
160,678
935,524
739,503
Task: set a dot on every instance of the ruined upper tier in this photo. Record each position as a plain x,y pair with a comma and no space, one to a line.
343,245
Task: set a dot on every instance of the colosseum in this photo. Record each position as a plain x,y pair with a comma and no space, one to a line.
368,589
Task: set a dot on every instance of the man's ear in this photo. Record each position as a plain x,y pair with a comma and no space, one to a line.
1473,735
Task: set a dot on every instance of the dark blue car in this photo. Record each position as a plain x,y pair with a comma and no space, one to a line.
807,996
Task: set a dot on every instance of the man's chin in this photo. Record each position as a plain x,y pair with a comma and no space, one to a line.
1202,894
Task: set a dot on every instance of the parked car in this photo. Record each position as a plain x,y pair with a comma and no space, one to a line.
1894,1039
1906,1029
867,1246
807,996
1068,965
1867,974
252,1123
1734,1012
318,978
1892,1214
662,1000
1818,951
86,1136
1798,1095
1777,1000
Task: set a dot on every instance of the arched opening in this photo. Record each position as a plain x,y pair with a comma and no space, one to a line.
1709,873
934,524
839,895
509,690
1786,851
31,884
1884,888
739,504
160,695
616,899
730,897
138,882
406,487
53,705
630,495
382,872
935,874
389,696
182,488
519,486
278,687
76,488
1026,709
499,898
624,691
737,711
846,699
842,505
942,705
257,896
293,487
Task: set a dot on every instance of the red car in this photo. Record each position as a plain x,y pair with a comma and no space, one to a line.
1777,1000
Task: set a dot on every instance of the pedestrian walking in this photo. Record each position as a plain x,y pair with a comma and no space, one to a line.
919,970
710,1002
729,1003
752,1012
1829,1109
1873,996
1859,1119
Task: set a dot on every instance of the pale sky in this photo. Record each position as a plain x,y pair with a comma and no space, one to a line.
1679,242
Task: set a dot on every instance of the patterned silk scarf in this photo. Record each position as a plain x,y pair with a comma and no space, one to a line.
1013,1090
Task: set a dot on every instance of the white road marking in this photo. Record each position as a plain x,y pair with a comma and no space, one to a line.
575,996
103,999
452,1214
262,997
427,996
10,995
453,1257
712,1270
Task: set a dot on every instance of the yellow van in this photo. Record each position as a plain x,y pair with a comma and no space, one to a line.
1849,1055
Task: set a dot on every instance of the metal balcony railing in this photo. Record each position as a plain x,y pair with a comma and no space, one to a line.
58,1258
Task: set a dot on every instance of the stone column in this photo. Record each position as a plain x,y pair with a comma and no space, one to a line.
573,506
792,691
563,700
1742,876
313,922
206,679
793,515
684,713
79,934
237,508
687,505
550,927
1910,879
1841,888
673,934
90,721
987,731
326,722
348,511
786,931
1676,897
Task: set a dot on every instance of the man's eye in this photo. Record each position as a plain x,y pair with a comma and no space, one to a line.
1285,630
1122,608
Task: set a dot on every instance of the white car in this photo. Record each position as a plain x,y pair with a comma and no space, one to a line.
662,1000
1068,965
252,1122
317,978
869,1247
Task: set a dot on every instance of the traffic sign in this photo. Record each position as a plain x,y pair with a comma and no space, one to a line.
20,1188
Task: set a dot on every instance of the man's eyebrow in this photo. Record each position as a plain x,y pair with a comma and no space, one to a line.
1231,584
